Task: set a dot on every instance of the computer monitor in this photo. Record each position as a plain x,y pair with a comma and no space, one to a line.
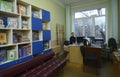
80,39
72,40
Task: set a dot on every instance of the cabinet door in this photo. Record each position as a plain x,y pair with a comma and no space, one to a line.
46,35
37,47
36,24
45,15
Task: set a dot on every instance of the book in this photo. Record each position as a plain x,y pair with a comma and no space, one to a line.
44,26
2,22
20,53
36,14
22,9
10,22
15,38
35,35
25,24
45,45
6,6
3,55
28,47
24,51
3,39
11,54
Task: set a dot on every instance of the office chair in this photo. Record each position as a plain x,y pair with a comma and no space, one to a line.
91,57
112,46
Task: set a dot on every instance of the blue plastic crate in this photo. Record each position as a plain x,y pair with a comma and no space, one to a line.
37,47
46,35
45,15
36,24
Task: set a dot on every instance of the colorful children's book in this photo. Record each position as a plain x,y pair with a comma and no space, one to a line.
2,22
3,39
22,9
20,53
15,37
11,54
3,55
10,22
6,6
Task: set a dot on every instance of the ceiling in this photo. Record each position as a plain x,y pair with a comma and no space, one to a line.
75,2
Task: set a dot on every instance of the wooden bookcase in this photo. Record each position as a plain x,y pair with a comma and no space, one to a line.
21,32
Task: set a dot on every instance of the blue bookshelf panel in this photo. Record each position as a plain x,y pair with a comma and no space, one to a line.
24,59
45,15
3,66
46,35
37,47
47,51
36,24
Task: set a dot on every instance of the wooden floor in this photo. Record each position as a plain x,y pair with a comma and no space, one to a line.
108,69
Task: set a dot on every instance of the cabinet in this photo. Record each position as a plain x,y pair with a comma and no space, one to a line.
24,32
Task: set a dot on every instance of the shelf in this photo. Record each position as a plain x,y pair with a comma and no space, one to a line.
46,49
7,45
5,13
4,62
23,43
22,32
5,28
22,29
22,3
25,16
36,40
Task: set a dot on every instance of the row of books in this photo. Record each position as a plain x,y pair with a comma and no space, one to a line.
22,9
45,45
25,24
8,22
6,6
24,50
7,55
19,38
36,14
35,35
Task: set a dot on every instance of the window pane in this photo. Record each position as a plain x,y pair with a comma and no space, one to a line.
103,11
88,26
79,15
91,13
78,27
90,23
100,27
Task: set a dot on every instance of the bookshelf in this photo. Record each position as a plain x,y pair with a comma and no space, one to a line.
46,30
24,31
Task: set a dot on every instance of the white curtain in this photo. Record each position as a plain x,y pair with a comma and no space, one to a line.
114,19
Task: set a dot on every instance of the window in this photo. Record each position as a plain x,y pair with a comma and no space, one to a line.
90,23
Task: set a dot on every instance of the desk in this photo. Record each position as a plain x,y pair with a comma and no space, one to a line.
74,55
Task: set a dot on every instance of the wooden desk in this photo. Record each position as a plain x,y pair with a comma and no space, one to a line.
75,54
116,57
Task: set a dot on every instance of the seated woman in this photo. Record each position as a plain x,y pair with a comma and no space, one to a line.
72,38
